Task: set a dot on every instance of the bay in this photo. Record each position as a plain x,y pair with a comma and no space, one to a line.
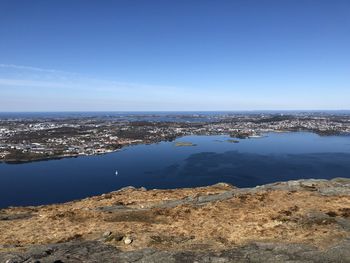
212,159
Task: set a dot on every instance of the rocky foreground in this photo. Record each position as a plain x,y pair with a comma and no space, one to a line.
295,221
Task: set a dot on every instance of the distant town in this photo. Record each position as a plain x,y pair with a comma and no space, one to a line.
40,138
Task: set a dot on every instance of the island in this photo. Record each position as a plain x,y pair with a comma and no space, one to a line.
182,144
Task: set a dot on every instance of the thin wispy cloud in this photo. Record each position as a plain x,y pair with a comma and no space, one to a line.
20,67
29,87
77,91
36,79
30,83
27,76
35,88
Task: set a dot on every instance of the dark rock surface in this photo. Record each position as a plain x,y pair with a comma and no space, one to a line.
336,187
15,216
94,251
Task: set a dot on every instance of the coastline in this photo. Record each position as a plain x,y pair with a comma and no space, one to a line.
122,146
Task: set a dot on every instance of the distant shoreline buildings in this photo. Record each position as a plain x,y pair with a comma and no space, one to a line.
23,140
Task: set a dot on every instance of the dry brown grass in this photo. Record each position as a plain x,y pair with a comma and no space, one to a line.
278,216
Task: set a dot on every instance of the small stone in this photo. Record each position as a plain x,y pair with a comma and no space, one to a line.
118,237
113,237
127,240
107,234
127,188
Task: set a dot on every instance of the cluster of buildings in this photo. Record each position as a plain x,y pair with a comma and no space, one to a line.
24,140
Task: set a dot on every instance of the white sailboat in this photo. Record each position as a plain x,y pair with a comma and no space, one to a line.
116,172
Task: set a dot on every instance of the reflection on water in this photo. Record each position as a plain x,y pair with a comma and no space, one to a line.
249,169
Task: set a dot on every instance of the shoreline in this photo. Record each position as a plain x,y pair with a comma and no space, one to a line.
59,157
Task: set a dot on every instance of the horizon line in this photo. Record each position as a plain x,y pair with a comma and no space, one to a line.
96,111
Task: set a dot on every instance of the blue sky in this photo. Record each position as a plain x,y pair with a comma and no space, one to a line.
174,55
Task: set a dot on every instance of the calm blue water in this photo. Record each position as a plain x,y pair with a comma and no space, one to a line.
251,162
